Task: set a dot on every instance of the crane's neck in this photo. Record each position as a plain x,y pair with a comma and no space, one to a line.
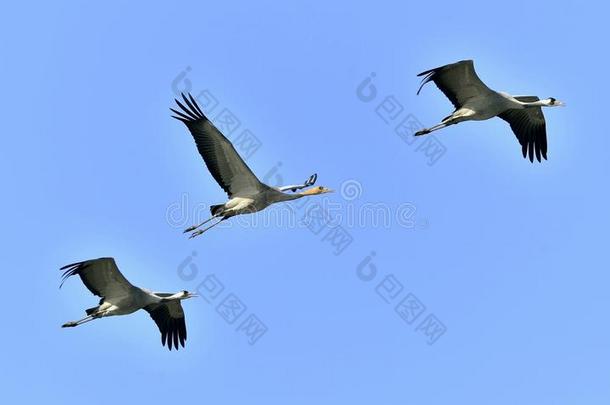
295,196
290,197
547,102
173,297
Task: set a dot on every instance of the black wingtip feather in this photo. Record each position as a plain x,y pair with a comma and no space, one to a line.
190,110
70,265
196,106
425,79
426,72
180,119
175,336
538,152
70,270
187,111
191,107
184,116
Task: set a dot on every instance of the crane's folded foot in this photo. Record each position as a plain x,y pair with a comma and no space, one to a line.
190,229
196,233
422,132
69,324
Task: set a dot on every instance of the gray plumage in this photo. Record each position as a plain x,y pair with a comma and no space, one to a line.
247,194
119,297
473,100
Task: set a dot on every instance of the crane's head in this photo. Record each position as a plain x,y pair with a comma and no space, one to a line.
186,295
317,190
553,102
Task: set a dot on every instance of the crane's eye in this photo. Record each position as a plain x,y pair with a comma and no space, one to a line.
185,292
552,100
320,188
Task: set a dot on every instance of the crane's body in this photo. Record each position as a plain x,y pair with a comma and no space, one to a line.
247,194
474,101
484,108
257,202
119,297
124,304
479,109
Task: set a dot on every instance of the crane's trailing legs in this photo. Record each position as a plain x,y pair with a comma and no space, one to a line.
79,322
457,116
200,231
428,130
86,319
192,228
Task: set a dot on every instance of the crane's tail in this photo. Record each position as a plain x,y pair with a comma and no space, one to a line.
91,311
216,209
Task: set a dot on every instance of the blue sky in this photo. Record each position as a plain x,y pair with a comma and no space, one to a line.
507,258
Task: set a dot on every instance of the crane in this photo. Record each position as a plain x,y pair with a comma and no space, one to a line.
247,194
119,297
473,100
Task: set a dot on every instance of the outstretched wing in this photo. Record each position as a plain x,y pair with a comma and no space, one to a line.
101,276
169,317
222,160
458,81
309,182
529,126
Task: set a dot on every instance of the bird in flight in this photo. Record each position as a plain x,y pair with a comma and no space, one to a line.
473,100
247,194
119,297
